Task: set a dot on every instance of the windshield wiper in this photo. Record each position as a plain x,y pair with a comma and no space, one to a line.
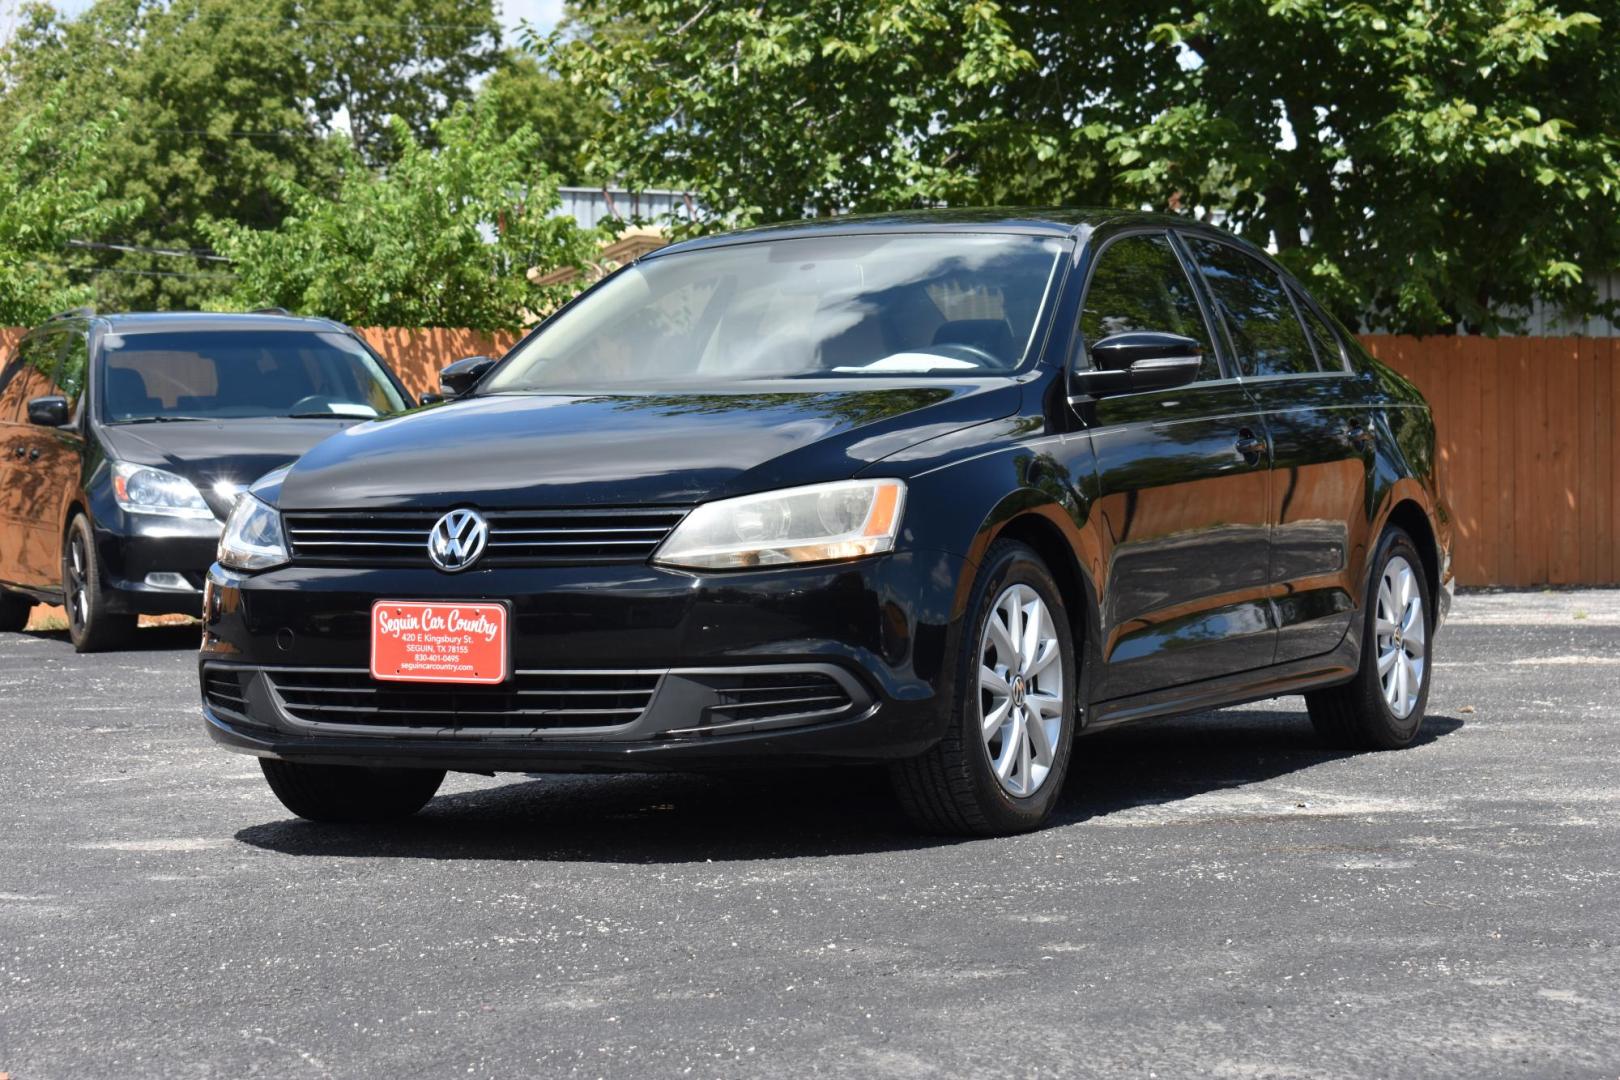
327,416
164,419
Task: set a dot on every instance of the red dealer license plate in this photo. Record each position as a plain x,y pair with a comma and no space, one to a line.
438,641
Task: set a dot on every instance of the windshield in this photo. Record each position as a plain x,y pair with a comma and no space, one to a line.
227,374
836,306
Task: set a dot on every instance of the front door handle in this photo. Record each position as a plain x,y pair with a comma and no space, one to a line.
33,455
1360,434
1249,444
19,451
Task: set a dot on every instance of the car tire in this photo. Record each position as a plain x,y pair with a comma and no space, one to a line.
1380,709
349,793
14,611
966,784
91,626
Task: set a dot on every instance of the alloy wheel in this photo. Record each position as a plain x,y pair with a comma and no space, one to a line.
1021,690
78,593
1401,636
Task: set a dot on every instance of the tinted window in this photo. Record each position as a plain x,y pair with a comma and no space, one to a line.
221,374
10,397
34,369
838,306
1139,285
1266,334
70,376
1329,353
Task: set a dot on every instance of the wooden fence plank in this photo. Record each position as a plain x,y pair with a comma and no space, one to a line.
1563,461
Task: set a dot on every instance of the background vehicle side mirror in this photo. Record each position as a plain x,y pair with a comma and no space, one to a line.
463,375
1138,360
51,411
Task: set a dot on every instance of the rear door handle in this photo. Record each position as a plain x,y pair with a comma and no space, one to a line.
33,455
19,451
1249,444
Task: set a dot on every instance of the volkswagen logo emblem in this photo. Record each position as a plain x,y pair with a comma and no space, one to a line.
457,540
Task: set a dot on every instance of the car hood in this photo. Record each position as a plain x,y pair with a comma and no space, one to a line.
207,452
544,450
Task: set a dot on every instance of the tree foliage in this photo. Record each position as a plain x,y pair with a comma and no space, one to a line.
569,120
1424,163
442,238
49,193
224,105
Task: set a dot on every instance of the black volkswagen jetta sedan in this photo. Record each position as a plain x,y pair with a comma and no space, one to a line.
941,490
125,439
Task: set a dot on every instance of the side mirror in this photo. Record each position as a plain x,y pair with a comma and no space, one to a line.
49,411
1138,360
464,374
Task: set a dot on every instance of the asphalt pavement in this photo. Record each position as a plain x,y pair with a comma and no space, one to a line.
1219,896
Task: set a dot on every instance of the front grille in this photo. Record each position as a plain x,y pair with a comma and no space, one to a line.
746,697
530,700
565,537
222,690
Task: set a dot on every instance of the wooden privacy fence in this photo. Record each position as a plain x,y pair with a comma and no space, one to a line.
1526,426
1527,452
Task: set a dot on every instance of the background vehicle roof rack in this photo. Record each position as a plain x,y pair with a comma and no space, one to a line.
74,313
269,311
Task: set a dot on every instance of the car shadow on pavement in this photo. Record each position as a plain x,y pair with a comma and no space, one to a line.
167,638
804,813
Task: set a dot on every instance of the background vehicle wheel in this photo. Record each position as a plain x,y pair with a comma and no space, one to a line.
14,610
349,793
1382,707
1000,767
91,626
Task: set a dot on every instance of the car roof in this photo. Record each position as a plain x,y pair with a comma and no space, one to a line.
1033,221
139,322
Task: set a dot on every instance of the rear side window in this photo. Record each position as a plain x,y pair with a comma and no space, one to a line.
1139,285
1266,334
1329,353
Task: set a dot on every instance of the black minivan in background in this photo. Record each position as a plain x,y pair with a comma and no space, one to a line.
125,439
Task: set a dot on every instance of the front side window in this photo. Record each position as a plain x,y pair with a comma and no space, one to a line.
846,306
1139,285
1265,331
33,373
229,374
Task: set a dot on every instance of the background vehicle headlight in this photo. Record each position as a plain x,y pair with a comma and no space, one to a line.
820,523
141,489
252,539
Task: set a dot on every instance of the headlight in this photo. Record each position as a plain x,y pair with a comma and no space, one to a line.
252,538
141,489
819,523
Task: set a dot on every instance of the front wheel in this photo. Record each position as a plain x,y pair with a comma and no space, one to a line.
1382,707
1000,767
91,626
350,793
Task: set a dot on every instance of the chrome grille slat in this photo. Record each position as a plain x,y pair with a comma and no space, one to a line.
565,536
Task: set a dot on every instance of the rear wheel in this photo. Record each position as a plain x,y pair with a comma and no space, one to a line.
14,610
91,627
350,793
1382,707
1000,767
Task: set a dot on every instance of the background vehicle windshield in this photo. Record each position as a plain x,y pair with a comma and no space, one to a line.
225,374
884,305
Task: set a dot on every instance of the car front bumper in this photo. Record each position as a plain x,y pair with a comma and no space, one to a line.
796,665
155,565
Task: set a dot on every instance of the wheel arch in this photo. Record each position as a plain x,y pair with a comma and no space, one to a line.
1410,516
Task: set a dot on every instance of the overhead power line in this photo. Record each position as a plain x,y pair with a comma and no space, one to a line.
139,249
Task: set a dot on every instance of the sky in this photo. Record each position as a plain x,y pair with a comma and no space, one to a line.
542,14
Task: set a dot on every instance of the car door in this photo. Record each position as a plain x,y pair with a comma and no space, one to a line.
46,472
54,472
26,499
13,446
1182,489
1293,364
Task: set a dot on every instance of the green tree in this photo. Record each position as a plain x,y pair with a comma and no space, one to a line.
568,119
1434,162
224,105
443,238
49,193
